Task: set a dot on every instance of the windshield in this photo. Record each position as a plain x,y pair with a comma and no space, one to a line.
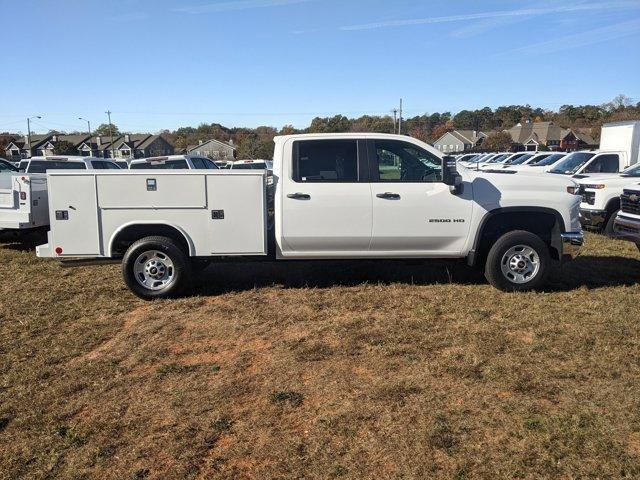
632,171
572,163
499,158
550,160
5,167
521,160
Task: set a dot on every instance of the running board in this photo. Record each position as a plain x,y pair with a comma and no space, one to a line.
81,262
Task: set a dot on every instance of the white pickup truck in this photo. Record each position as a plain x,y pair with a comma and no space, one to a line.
349,196
601,199
627,222
23,194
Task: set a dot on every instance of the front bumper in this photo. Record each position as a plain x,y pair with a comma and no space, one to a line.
571,242
592,219
627,228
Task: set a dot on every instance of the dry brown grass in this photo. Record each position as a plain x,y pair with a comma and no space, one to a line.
321,370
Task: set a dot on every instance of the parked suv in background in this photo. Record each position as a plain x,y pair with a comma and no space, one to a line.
44,164
173,162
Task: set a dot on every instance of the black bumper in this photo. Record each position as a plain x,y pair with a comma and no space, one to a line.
593,219
627,228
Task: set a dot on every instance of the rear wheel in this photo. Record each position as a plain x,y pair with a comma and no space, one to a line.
156,267
518,261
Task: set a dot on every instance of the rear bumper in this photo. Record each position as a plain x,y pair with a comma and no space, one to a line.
44,251
571,243
592,219
627,228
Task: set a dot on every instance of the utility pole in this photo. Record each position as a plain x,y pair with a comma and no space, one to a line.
29,134
400,119
395,119
108,112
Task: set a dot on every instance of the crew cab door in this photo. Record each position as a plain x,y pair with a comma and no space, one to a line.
414,212
325,199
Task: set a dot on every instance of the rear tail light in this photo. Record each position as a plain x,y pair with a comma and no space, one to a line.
23,195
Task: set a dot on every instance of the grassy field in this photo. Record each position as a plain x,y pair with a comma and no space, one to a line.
321,370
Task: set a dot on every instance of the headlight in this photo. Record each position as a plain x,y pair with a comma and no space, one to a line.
574,190
597,186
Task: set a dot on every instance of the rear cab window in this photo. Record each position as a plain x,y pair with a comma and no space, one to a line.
167,165
104,165
43,166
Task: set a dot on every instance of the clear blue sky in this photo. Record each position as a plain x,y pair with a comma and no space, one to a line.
162,64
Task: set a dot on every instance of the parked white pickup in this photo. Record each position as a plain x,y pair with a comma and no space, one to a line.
627,222
23,195
335,196
601,199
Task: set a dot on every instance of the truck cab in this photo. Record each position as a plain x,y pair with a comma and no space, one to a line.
333,196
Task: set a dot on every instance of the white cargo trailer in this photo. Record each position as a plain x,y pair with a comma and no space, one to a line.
622,138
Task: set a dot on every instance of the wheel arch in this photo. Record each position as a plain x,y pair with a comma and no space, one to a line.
546,222
130,232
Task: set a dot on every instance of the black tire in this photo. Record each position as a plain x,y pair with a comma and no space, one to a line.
494,268
608,226
180,268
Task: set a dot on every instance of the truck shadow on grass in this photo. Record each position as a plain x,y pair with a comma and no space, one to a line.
588,271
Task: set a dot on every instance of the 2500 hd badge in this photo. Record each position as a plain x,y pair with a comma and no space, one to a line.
446,220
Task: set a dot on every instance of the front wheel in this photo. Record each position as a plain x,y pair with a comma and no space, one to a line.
518,261
156,267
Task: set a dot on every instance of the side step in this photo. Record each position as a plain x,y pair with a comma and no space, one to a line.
84,262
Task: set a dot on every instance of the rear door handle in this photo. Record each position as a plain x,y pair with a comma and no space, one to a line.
389,195
299,196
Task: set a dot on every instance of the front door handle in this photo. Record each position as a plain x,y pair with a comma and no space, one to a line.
389,195
299,196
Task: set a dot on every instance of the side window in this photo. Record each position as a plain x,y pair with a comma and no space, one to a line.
198,163
111,166
604,164
405,162
328,161
209,164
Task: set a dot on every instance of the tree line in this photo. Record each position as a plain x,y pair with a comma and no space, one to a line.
258,142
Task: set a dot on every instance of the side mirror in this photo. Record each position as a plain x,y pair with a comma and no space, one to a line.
450,175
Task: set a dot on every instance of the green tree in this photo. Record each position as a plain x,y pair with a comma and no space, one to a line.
64,148
103,130
497,142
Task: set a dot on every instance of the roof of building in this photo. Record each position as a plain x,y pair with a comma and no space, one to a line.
212,140
149,140
541,132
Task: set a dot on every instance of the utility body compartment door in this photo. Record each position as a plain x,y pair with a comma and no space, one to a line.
237,213
73,214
